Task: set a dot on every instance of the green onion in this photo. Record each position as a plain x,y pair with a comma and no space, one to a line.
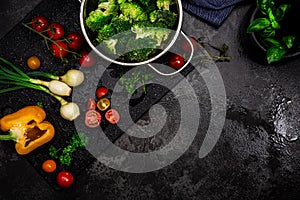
17,75
73,77
68,110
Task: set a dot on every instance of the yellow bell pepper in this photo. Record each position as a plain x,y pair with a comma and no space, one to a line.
28,128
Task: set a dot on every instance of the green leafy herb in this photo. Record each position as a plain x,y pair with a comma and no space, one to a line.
65,156
40,104
137,77
267,26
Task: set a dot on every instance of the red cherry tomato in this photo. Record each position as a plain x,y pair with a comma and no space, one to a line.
60,49
39,23
75,41
91,104
101,91
112,116
87,59
64,179
186,47
55,31
176,61
92,118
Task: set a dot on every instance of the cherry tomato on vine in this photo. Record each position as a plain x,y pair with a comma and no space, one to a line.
55,31
186,47
87,59
64,179
39,23
112,116
60,49
33,62
75,41
49,166
101,91
176,61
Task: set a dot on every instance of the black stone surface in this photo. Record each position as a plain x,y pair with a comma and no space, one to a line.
252,160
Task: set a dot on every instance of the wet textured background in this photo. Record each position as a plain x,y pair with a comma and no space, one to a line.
256,157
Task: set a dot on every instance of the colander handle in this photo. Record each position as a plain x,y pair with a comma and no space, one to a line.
186,64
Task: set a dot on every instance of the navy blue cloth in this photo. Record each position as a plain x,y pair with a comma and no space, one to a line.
212,11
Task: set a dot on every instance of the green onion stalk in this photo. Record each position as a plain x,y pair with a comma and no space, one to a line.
20,80
73,77
57,87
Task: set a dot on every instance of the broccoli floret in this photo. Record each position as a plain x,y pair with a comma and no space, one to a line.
109,46
139,49
144,2
97,19
102,15
164,4
156,32
164,16
106,32
108,7
133,11
120,24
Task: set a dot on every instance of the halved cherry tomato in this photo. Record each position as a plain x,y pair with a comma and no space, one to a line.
176,61
64,179
33,62
39,23
55,31
49,166
60,49
103,104
92,118
101,92
186,47
87,59
91,104
112,116
75,41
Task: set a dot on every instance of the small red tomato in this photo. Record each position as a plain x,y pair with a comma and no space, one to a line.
91,104
75,41
112,116
176,61
39,23
60,49
55,31
87,59
92,118
64,179
186,47
101,91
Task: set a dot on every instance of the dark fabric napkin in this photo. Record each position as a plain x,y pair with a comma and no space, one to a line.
212,11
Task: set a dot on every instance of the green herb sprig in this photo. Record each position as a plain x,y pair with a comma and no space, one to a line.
137,77
268,26
65,156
